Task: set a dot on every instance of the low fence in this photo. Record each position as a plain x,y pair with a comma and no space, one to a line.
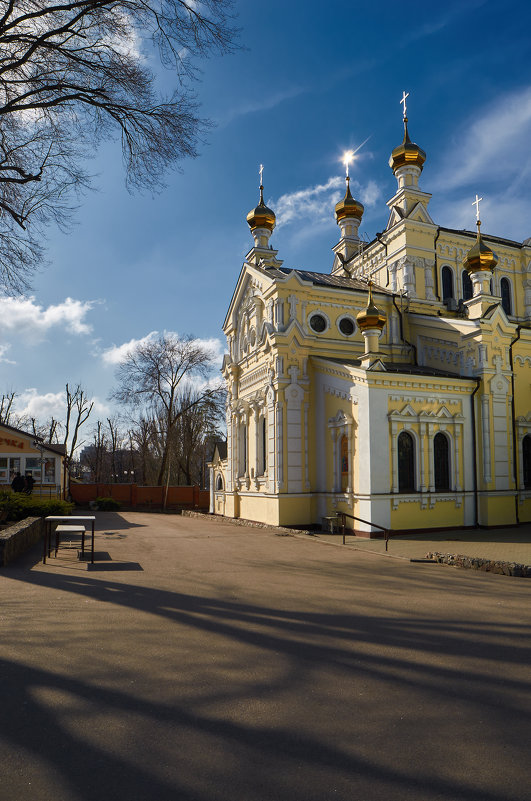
133,495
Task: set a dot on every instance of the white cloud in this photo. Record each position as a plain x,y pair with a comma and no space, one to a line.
370,194
215,347
119,353
315,204
494,144
254,106
32,321
489,155
30,403
3,357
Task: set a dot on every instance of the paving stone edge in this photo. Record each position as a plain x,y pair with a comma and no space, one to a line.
478,563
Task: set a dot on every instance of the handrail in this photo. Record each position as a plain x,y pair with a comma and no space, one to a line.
343,515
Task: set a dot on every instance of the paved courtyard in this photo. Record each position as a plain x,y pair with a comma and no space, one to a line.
198,661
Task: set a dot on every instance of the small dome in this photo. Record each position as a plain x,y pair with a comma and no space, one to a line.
407,153
261,216
371,317
348,207
480,256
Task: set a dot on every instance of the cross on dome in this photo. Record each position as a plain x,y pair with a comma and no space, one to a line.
476,203
405,95
261,171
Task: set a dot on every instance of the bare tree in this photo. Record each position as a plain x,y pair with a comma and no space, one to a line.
78,410
73,74
94,455
157,377
48,431
6,407
197,424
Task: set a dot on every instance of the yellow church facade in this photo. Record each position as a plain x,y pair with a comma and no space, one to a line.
395,388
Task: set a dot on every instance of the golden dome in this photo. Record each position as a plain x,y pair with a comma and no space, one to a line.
407,153
348,207
371,317
480,256
261,216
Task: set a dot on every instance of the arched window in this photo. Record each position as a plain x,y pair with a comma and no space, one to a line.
263,432
447,283
467,285
526,454
243,450
344,463
505,292
441,460
219,483
406,462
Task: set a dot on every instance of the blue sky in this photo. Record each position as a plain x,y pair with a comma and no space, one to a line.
316,78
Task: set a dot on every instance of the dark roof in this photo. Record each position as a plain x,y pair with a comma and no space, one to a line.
55,446
473,235
399,367
221,449
326,279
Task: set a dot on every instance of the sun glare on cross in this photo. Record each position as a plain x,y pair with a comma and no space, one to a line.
348,157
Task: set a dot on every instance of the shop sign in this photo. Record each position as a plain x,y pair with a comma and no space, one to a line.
12,443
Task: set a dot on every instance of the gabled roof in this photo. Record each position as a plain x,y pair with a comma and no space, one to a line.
55,447
221,448
399,367
325,279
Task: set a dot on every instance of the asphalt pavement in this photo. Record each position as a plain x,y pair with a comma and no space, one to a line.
199,661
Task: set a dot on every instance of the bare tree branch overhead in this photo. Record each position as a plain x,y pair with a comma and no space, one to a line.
74,74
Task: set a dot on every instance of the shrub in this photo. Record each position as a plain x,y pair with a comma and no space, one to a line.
18,506
107,504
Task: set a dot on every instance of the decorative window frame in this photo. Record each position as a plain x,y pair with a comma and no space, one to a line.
416,459
523,428
342,425
454,282
511,294
428,424
325,317
451,458
352,320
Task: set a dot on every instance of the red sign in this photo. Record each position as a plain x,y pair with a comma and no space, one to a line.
13,443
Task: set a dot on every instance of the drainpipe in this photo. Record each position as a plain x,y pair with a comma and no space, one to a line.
474,453
379,238
411,345
513,415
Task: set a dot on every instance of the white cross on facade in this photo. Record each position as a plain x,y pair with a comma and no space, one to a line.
261,173
405,95
476,203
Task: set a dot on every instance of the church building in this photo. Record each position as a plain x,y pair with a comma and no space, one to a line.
395,388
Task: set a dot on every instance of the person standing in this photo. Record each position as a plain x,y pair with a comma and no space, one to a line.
18,484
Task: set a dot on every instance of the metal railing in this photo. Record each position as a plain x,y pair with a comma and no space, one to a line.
344,515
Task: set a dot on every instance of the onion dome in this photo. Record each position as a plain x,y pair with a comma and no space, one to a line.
348,207
480,256
371,317
261,216
408,153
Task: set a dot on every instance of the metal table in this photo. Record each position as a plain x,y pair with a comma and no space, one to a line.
65,519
